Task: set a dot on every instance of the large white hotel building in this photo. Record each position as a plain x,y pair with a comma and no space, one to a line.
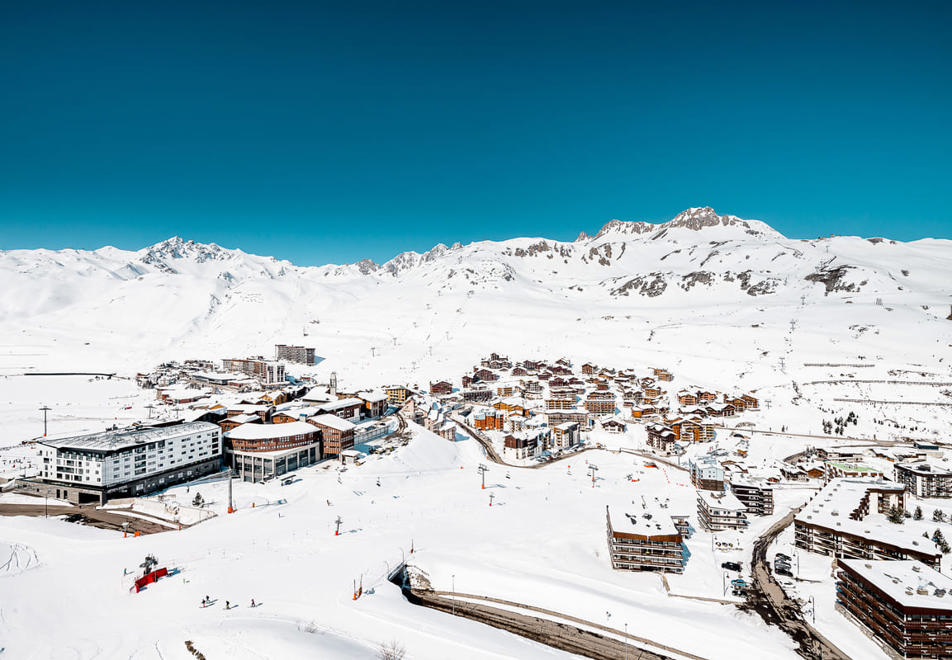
128,462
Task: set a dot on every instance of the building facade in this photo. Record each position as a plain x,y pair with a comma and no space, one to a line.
258,452
707,473
720,511
337,434
924,480
757,496
646,542
904,605
299,354
837,523
129,462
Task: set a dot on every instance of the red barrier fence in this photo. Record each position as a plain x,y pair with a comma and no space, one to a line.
149,578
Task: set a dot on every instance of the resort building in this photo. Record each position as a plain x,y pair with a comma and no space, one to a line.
847,519
565,435
924,480
904,605
337,434
646,540
756,495
95,467
720,511
707,473
262,451
397,394
522,446
299,354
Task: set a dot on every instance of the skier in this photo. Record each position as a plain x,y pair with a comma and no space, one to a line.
252,602
227,605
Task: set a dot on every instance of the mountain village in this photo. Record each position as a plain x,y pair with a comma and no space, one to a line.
876,512
573,447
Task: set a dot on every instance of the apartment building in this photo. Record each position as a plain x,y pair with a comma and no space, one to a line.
299,354
718,511
756,495
268,372
129,462
902,604
924,480
844,520
646,539
707,473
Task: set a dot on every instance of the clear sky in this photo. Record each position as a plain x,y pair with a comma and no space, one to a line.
327,132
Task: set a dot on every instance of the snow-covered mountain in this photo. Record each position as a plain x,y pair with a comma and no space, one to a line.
128,308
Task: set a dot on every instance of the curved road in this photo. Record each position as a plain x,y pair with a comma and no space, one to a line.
770,601
546,630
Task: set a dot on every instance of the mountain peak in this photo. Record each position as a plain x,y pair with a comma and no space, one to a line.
625,227
694,219
177,247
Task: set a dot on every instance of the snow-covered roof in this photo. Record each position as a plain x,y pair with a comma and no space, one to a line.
631,519
341,403
334,422
243,419
725,501
907,581
297,411
832,505
925,469
269,431
373,397
319,394
124,438
248,407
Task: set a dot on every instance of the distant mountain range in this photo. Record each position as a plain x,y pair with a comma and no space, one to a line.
179,294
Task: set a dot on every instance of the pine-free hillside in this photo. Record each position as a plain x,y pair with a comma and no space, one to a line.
205,297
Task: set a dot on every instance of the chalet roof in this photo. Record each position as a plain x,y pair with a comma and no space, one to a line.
318,394
334,422
269,431
907,581
242,419
374,396
341,403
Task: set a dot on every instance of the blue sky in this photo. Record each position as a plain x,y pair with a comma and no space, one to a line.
330,132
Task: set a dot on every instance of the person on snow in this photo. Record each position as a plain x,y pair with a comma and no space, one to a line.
252,602
227,605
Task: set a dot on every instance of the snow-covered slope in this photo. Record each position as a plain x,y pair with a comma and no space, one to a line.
123,310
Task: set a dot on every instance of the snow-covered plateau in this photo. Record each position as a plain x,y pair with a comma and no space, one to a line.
815,328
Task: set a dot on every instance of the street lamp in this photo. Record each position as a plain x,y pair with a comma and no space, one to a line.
626,640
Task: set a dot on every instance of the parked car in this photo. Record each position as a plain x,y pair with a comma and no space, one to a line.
731,565
780,555
783,571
